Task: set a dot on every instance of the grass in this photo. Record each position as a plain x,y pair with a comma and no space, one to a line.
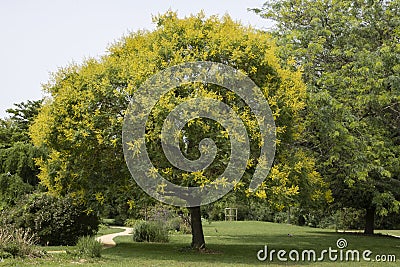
229,244
389,232
105,230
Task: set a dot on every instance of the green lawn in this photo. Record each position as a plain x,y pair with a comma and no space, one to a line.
389,232
105,230
232,243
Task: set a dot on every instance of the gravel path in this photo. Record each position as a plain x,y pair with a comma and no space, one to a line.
107,240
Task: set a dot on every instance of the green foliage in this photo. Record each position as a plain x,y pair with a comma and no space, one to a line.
253,209
349,219
150,231
17,166
130,222
179,225
390,221
17,242
88,246
161,213
12,189
349,53
6,133
260,213
54,220
15,128
185,227
171,218
81,124
174,224
116,203
5,255
18,159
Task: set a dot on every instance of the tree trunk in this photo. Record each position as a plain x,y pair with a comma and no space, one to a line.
197,228
370,221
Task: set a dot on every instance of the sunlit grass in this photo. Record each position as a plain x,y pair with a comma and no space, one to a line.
106,230
234,244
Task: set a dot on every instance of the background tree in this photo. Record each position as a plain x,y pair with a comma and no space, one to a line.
17,166
80,125
14,128
349,51
12,189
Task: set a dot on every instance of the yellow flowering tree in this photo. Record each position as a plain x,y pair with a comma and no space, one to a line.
81,122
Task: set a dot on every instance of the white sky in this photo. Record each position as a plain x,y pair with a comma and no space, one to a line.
37,37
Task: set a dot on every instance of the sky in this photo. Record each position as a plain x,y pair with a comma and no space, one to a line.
38,37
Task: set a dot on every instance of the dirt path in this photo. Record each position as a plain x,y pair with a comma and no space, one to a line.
107,240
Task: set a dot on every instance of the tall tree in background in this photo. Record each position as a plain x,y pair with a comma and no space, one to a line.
82,122
15,128
349,51
18,172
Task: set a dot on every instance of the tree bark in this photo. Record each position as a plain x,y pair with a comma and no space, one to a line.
197,228
370,221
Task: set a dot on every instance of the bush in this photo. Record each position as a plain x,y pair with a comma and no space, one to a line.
389,222
17,242
179,224
88,246
55,221
150,232
5,255
160,213
131,222
119,220
12,188
185,228
280,217
174,224
350,219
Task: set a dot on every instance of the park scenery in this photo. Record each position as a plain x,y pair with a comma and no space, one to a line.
205,142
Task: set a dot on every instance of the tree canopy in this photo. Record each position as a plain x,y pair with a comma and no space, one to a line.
349,51
80,123
18,172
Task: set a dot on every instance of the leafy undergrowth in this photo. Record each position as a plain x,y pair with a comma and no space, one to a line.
237,244
17,243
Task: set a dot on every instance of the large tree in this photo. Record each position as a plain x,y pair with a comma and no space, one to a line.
17,166
81,123
349,51
14,128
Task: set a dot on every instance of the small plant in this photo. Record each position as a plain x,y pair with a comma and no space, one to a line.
88,246
150,232
185,228
179,224
174,224
17,242
5,255
130,222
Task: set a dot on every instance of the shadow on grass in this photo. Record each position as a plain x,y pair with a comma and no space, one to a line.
229,254
358,234
242,249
